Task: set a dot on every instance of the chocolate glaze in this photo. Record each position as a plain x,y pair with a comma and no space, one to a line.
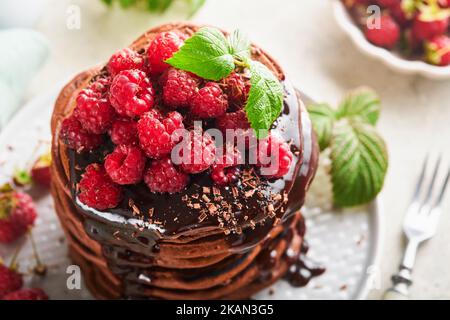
131,240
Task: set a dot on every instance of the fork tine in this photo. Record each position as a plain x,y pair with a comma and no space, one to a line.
420,181
432,183
444,187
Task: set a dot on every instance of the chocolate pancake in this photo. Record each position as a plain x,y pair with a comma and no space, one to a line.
207,242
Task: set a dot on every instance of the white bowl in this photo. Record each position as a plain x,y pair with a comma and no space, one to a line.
387,57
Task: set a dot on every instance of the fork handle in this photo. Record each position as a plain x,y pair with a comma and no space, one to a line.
402,281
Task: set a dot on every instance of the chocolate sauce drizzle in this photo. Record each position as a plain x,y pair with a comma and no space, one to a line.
130,234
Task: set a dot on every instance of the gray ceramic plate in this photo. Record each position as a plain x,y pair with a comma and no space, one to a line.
346,242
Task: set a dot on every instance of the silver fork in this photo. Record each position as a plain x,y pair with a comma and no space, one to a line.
420,224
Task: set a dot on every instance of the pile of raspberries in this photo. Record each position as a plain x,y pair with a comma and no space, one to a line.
415,28
139,105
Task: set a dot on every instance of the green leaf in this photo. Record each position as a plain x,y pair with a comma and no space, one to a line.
265,98
127,3
359,163
195,6
107,2
165,4
322,117
239,45
362,103
206,54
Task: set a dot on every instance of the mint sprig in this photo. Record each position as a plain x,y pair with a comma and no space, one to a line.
265,98
206,53
212,56
359,158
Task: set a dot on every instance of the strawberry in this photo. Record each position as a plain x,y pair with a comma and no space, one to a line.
27,294
10,280
438,51
432,21
403,12
17,214
444,3
40,172
387,3
387,35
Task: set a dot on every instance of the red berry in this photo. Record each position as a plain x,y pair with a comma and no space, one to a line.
157,134
444,3
76,137
387,3
97,190
438,51
131,93
387,35
162,48
93,109
401,15
209,102
273,156
178,88
125,59
27,294
425,28
17,214
10,280
225,170
236,89
125,165
233,121
40,173
196,153
162,176
124,131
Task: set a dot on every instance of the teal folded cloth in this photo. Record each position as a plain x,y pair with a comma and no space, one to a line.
23,53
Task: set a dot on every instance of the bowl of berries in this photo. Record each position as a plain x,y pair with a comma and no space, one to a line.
410,36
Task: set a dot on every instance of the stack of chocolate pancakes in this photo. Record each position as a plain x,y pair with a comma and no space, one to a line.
206,242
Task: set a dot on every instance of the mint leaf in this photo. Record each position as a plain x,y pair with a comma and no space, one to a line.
265,98
362,103
239,45
359,163
322,117
206,54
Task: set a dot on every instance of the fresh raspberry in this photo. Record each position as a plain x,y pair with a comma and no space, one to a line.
162,176
209,102
226,170
387,35
236,89
196,153
178,88
162,48
40,172
76,137
225,176
131,93
233,121
10,280
125,59
17,214
97,190
444,3
438,51
425,28
125,165
273,156
124,131
156,134
93,109
27,294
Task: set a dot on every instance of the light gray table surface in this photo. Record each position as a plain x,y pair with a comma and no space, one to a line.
321,61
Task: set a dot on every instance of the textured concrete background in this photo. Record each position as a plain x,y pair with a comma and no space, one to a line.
322,62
